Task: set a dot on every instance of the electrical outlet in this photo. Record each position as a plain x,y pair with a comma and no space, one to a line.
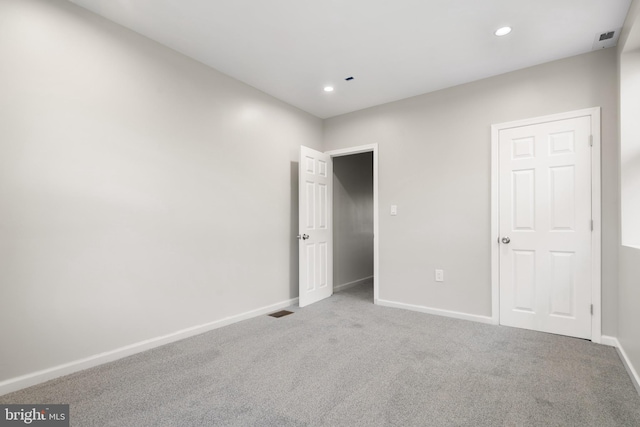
394,210
439,275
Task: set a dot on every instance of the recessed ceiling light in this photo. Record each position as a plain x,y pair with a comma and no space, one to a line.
502,31
328,88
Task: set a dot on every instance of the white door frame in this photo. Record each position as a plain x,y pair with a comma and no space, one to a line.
371,148
596,248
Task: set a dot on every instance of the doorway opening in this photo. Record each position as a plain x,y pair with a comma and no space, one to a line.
355,219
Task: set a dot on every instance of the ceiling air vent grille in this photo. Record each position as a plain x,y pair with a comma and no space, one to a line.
607,36
606,39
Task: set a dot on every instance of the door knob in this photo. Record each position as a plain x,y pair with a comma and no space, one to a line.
506,240
303,237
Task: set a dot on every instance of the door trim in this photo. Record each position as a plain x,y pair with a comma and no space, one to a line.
596,238
370,148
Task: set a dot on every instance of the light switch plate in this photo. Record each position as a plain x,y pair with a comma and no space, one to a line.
439,275
394,210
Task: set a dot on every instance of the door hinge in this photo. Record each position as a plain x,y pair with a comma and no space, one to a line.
590,140
592,309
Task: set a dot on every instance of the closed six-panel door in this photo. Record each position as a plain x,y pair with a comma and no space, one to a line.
545,227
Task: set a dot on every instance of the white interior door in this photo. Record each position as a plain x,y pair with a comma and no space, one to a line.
545,227
315,225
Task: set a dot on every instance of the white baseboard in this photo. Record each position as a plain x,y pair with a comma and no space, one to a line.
351,284
28,380
635,378
436,311
610,341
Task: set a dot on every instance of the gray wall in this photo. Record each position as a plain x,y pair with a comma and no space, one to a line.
629,314
140,191
435,164
629,286
353,218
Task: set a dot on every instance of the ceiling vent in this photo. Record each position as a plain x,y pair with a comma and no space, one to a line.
606,39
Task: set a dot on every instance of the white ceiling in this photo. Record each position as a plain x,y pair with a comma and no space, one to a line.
394,49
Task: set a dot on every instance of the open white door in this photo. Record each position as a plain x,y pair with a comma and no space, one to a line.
315,178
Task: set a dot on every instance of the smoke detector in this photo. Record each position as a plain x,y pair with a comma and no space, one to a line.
606,39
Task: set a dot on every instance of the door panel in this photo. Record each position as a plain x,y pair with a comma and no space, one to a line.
545,211
562,284
524,280
524,199
315,244
562,198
